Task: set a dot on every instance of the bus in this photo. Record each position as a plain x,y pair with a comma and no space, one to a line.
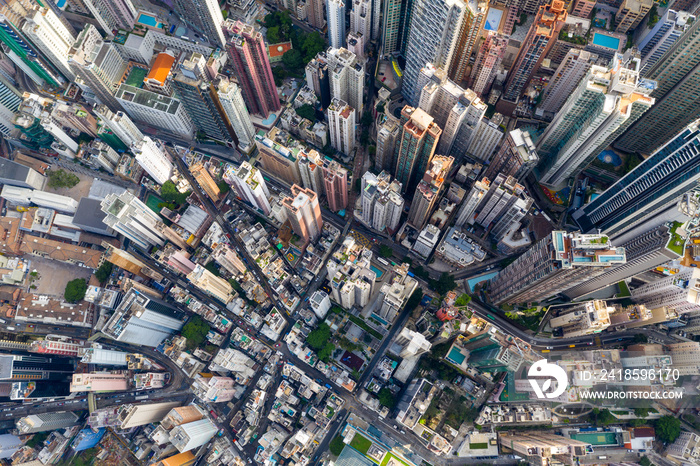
490,317
381,260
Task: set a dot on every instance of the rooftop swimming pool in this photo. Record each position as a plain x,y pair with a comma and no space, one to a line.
377,271
269,120
472,282
603,40
148,20
456,356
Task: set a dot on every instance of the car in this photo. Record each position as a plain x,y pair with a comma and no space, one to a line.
278,345
550,347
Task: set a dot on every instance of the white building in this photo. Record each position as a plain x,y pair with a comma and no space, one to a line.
153,159
320,303
486,140
120,124
347,77
427,239
458,250
341,123
335,13
127,215
46,421
231,101
250,185
471,202
571,70
155,109
680,292
185,437
48,33
665,33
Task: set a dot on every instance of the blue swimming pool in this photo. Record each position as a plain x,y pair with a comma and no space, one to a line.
602,40
377,271
474,281
148,20
269,120
61,3
456,356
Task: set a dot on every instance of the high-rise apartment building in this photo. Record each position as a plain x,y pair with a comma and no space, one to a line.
127,215
200,100
200,171
250,185
542,447
677,73
10,100
391,24
388,130
555,263
141,319
428,191
680,292
251,65
304,213
314,13
203,15
569,73
231,101
415,147
643,252
51,37
516,157
472,201
381,200
153,159
335,12
346,77
335,181
661,38
317,78
541,36
120,124
134,415
45,422
457,111
276,158
470,32
361,19
152,108
311,170
649,191
630,14
97,65
342,119
603,106
434,33
487,62
112,15
185,437
487,138
504,204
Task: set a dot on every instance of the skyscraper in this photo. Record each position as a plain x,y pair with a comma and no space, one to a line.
10,100
112,15
48,33
487,61
568,75
45,422
251,65
604,104
314,13
120,124
630,14
428,191
304,213
166,113
388,130
470,31
153,158
134,415
504,204
650,191
342,119
554,264
127,215
201,101
415,147
472,201
548,22
516,157
231,101
677,73
435,27
347,77
250,185
335,181
204,16
667,31
392,23
97,65
361,18
679,292
335,12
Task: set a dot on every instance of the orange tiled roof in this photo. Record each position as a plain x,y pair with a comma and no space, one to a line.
277,50
161,67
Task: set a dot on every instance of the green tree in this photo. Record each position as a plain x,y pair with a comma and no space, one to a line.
223,187
444,284
102,274
293,60
195,331
324,354
415,299
279,74
273,35
386,398
75,290
213,268
640,338
668,428
62,179
313,44
336,445
641,412
385,251
170,193
463,300
380,107
644,461
308,112
366,119
318,338
372,150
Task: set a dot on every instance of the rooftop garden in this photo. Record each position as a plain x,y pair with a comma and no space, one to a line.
676,243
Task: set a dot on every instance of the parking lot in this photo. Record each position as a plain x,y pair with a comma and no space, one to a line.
54,275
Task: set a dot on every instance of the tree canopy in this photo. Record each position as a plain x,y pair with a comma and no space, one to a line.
195,331
102,274
319,341
308,112
62,179
170,193
667,428
385,251
293,60
386,398
75,290
445,283
463,300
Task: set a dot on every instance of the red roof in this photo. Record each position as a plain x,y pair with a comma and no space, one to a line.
277,50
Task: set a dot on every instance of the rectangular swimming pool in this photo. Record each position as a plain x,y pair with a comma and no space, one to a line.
596,438
148,20
603,40
457,356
